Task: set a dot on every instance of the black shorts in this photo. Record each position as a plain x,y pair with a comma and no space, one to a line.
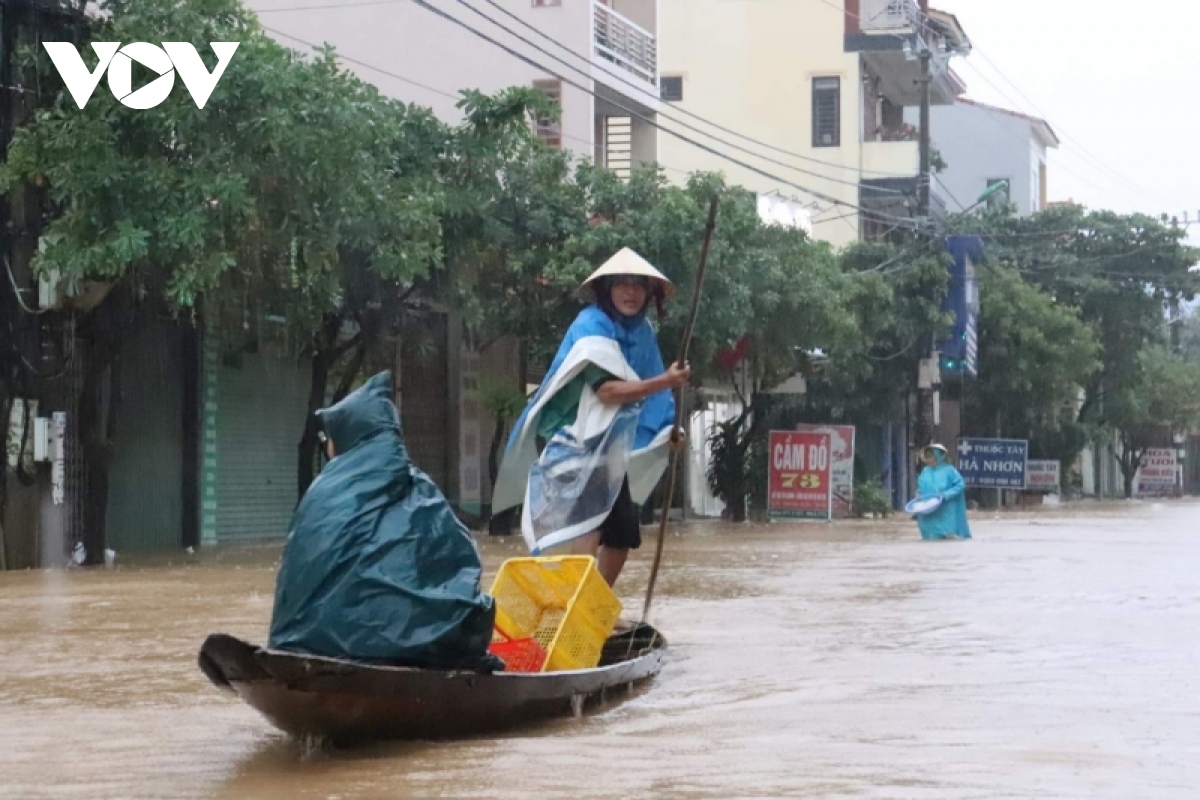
622,528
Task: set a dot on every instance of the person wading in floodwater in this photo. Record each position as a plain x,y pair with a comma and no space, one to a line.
606,414
940,479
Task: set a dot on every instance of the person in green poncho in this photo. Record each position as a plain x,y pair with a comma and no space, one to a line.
376,567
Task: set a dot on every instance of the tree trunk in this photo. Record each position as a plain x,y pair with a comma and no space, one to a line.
736,504
96,415
498,524
356,364
1129,461
494,450
326,353
322,349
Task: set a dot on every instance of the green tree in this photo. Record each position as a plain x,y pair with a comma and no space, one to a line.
293,175
895,299
1164,400
1035,355
1121,271
1189,337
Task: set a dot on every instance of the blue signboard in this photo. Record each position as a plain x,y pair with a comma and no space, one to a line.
960,351
993,463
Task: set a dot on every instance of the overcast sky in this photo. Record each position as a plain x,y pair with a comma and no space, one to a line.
1116,80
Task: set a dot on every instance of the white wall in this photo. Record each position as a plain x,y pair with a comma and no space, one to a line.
421,48
980,144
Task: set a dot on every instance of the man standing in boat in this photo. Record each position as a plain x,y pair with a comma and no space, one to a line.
606,415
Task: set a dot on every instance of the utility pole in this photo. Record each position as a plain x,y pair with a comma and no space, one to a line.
926,57
927,373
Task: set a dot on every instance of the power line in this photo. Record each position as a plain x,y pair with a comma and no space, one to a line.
365,65
633,113
330,6
679,109
632,85
1079,145
949,193
1109,191
408,81
662,114
1007,97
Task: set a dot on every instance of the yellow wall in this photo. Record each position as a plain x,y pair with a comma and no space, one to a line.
748,65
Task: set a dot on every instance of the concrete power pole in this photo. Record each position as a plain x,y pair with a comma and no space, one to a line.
927,375
923,185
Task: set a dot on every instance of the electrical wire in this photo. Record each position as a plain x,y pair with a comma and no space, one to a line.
12,279
680,109
949,193
365,65
329,6
631,84
1015,104
427,88
1078,145
635,114
663,114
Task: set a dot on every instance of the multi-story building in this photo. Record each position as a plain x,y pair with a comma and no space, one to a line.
984,145
606,50
822,86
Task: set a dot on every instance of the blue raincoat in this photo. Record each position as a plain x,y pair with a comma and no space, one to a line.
376,567
570,488
635,336
949,521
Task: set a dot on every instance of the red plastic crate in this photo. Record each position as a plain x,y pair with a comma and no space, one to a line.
520,655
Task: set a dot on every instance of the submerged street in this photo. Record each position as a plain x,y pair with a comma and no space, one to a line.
1056,655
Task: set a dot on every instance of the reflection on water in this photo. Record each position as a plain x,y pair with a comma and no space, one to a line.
1055,656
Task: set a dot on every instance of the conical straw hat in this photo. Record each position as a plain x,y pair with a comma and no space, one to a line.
627,262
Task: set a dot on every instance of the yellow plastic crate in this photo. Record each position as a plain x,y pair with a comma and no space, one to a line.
562,602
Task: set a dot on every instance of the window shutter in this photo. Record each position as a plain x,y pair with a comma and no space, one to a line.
548,129
671,88
827,108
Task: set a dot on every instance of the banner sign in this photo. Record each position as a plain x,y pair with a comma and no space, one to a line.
1044,476
799,472
993,463
841,465
1156,475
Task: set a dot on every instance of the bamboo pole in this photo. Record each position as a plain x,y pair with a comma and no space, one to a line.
684,346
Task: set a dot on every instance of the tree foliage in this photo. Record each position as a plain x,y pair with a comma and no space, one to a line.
1120,271
1035,355
1165,400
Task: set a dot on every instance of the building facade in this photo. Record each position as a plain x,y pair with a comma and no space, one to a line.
598,59
983,145
821,88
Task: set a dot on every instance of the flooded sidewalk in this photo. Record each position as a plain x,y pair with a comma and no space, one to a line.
1056,655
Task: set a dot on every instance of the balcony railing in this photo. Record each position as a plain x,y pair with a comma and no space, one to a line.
625,43
889,16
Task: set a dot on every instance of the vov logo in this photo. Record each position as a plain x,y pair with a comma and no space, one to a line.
165,61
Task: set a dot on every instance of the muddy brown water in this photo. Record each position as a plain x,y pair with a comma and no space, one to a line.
1057,655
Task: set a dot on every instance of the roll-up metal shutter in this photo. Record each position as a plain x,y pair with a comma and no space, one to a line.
261,408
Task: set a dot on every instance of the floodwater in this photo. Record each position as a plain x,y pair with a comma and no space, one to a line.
1057,655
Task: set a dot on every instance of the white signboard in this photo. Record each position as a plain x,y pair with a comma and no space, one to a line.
1043,476
1156,475
58,472
841,438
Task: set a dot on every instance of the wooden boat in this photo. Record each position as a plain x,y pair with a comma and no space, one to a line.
344,701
